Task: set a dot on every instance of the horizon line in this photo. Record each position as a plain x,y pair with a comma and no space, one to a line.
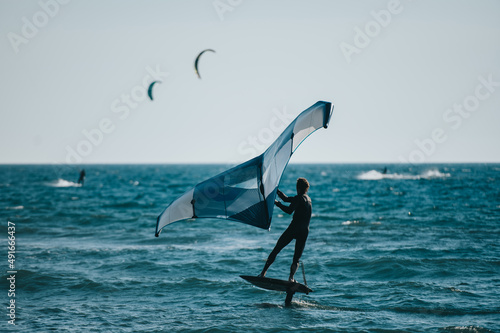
236,163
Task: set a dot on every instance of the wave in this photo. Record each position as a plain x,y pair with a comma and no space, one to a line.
377,175
126,204
15,207
360,223
36,281
464,329
438,311
63,183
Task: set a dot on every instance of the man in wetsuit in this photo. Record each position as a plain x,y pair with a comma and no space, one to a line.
298,228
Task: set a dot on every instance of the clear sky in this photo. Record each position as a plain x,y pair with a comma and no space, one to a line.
415,81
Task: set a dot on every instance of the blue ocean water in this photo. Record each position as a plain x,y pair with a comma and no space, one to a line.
416,249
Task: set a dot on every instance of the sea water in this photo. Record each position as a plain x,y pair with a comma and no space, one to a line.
414,249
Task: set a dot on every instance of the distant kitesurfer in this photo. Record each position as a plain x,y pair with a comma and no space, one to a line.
82,177
384,171
298,229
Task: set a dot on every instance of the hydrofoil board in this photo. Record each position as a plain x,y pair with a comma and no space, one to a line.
276,284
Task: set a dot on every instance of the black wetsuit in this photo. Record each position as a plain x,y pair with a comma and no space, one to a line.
82,177
298,229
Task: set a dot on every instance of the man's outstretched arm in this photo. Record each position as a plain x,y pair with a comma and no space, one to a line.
286,209
283,197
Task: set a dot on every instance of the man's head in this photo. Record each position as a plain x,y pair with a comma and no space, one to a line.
302,186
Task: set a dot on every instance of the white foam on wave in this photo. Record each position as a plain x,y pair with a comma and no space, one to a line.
64,183
15,207
350,222
356,222
376,175
435,173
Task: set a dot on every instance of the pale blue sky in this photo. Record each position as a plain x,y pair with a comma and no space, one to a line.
424,87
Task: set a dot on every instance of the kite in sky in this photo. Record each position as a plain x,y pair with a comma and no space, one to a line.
150,89
198,59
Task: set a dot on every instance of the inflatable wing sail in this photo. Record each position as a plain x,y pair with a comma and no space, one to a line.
246,193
